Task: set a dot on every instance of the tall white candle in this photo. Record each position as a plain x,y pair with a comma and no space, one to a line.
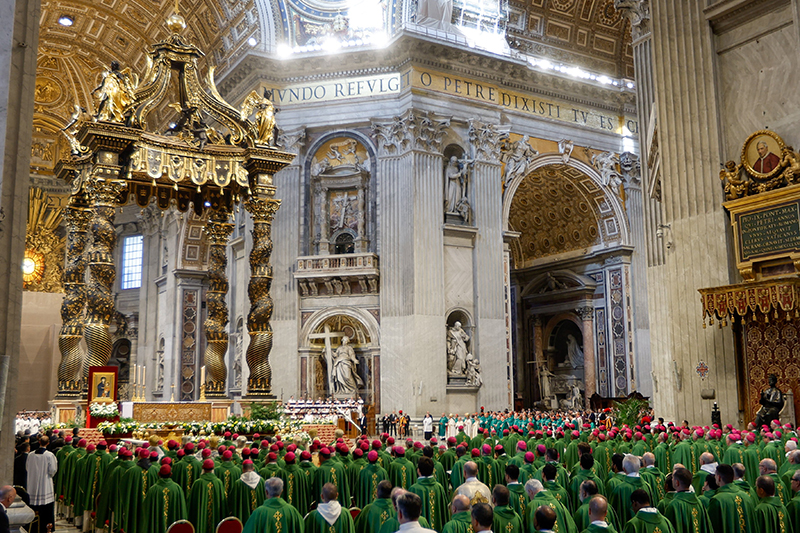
135,368
202,375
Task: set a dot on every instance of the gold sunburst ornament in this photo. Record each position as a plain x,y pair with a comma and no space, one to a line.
32,268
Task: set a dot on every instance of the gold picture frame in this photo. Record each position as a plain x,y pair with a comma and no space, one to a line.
103,386
762,153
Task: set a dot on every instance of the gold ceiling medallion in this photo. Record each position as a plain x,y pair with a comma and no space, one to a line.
766,163
212,156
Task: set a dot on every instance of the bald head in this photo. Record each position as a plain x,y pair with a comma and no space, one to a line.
706,458
533,486
649,459
544,518
460,503
767,466
470,469
7,495
765,487
790,445
598,508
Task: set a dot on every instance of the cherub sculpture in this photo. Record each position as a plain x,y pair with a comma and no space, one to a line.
734,186
264,117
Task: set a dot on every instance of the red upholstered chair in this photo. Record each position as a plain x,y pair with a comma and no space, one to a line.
181,526
230,525
354,512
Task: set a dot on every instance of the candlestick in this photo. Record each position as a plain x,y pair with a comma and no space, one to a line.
203,383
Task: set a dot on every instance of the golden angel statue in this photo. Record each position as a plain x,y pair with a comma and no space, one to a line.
115,93
734,186
264,116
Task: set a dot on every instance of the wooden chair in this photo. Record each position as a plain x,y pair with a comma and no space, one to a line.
230,525
181,526
354,512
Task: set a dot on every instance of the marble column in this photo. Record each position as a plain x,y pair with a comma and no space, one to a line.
589,365
19,41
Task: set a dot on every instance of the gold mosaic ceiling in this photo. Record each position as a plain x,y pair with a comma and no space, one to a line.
558,209
588,33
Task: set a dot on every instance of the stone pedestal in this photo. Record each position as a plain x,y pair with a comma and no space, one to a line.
220,409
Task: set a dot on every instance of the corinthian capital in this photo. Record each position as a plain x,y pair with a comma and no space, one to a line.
485,140
586,312
414,130
638,12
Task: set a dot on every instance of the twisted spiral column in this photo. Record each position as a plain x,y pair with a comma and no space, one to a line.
262,208
102,273
218,231
76,218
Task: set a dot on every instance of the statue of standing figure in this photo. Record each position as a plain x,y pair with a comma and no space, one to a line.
457,354
772,402
455,176
345,369
574,351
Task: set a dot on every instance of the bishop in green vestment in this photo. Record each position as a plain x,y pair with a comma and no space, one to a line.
227,472
686,512
620,496
461,521
275,515
401,471
110,492
186,471
518,496
598,509
207,504
771,514
506,519
540,496
331,471
366,487
794,504
246,494
164,504
129,508
730,510
432,494
70,472
297,489
374,515
329,516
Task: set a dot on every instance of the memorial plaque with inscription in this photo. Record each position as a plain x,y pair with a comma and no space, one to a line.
769,231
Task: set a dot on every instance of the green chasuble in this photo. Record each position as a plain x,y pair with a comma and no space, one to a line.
772,516
315,523
582,475
518,498
296,488
366,488
244,498
129,507
374,515
794,512
581,516
402,473
506,520
620,497
559,493
109,494
71,474
309,469
94,472
655,479
563,518
648,522
595,528
353,470
731,510
664,503
434,501
274,516
751,460
687,514
227,472
79,488
164,505
269,470
460,523
392,525
331,472
207,504
59,480
186,472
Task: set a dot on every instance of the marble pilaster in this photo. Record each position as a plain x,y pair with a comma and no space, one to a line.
589,363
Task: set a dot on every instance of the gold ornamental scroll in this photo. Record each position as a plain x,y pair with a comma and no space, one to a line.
147,412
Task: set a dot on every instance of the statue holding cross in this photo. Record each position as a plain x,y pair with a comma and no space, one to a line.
343,378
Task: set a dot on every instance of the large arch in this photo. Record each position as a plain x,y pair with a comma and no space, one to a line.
363,316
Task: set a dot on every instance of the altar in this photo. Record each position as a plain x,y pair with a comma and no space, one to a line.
148,412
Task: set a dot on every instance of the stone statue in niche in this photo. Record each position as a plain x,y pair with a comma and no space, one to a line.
160,370
456,176
345,369
574,352
457,352
546,377
237,356
344,211
473,371
436,14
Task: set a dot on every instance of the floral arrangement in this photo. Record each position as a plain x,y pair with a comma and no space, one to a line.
103,410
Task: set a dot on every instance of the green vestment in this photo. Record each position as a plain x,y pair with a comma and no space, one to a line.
402,473
646,522
270,470
460,523
186,472
315,523
332,472
518,498
227,472
366,488
506,520
164,505
434,501
243,499
392,525
129,507
275,516
109,494
687,514
731,511
71,475
296,488
655,479
563,518
794,512
772,516
207,504
582,521
374,515
60,480
595,528
751,460
559,493
582,475
664,503
620,497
